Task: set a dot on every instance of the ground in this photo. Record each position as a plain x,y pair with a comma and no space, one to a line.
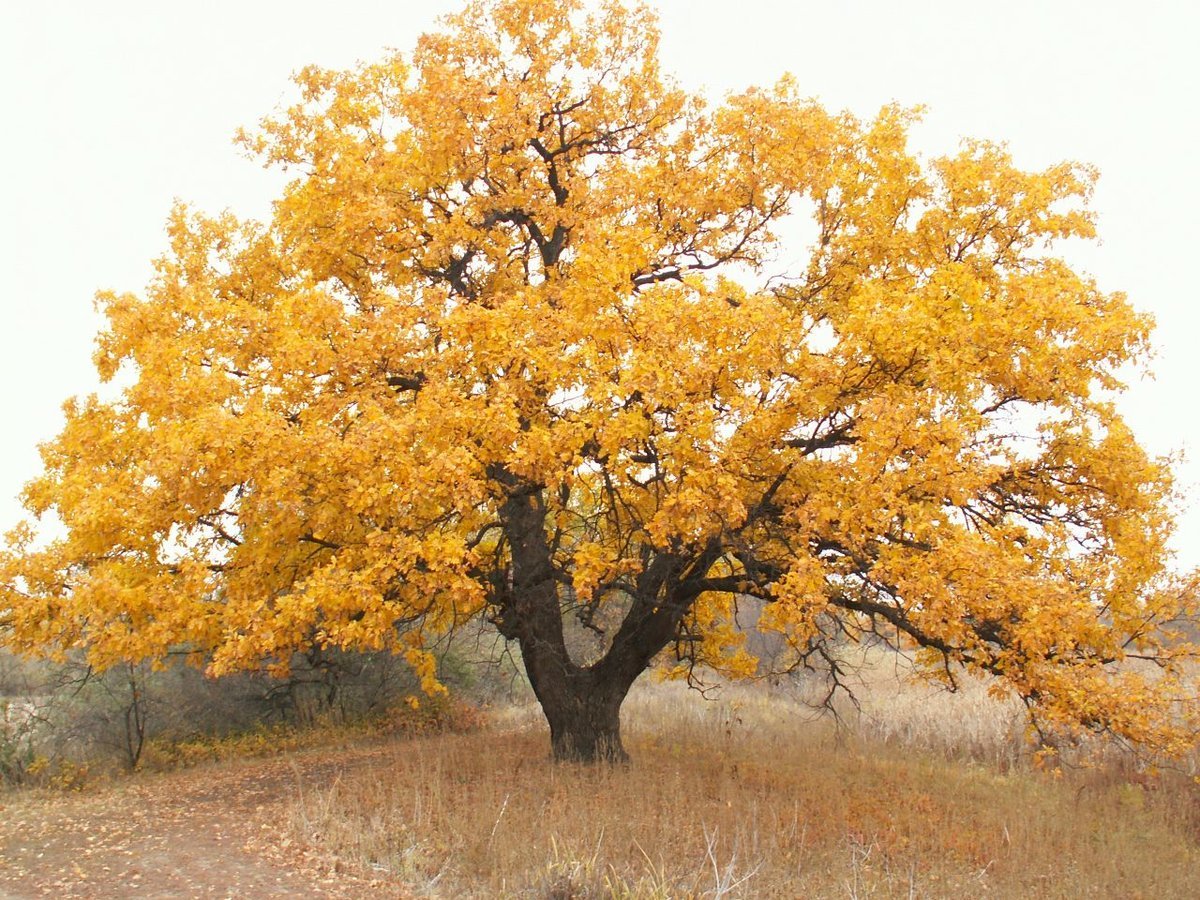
925,794
210,831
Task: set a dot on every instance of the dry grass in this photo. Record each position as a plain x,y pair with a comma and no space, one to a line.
892,707
922,796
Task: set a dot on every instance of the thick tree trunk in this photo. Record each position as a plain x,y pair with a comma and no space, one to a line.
582,704
584,718
583,710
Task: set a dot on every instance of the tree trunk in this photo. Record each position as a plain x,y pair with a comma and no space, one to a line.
584,718
582,705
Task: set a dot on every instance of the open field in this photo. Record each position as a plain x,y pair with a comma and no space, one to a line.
741,798
922,794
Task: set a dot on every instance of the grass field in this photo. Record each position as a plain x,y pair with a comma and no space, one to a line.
921,794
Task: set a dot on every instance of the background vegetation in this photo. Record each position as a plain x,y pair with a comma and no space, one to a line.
64,722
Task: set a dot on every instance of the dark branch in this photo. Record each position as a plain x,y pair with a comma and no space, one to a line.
407,382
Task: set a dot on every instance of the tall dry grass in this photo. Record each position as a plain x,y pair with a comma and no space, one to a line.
920,795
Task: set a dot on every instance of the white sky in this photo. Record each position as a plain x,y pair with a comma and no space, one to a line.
113,109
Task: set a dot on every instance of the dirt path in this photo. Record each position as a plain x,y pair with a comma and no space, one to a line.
212,831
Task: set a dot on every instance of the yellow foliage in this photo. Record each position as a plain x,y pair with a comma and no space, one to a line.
507,346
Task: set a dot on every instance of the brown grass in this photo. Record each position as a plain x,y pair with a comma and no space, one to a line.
921,796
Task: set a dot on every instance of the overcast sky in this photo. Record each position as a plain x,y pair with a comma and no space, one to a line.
113,109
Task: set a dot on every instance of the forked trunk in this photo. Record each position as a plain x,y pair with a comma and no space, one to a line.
582,704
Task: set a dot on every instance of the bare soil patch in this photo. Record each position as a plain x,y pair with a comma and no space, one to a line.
216,830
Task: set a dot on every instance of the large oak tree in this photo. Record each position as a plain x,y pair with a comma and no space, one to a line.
520,341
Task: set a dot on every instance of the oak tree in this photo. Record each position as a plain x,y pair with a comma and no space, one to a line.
521,340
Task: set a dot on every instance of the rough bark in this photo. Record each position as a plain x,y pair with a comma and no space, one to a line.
582,704
585,720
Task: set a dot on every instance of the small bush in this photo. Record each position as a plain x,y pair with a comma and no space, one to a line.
19,758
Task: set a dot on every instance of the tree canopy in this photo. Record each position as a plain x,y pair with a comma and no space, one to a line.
523,339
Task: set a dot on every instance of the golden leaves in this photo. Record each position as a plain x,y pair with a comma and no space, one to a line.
525,261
